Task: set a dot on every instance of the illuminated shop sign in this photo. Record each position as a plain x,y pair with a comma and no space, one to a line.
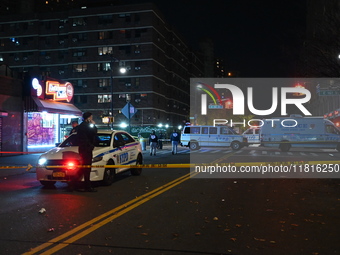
53,89
59,91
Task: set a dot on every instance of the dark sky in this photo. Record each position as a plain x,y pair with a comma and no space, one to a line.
259,38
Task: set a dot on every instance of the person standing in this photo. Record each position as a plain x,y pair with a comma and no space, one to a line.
75,126
175,139
86,136
160,140
153,140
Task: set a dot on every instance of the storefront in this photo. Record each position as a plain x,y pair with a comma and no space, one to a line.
48,113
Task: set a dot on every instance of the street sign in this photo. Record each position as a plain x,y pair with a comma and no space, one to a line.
129,108
329,92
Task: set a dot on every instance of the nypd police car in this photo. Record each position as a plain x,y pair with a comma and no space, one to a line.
112,147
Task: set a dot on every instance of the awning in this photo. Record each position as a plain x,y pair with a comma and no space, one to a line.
56,107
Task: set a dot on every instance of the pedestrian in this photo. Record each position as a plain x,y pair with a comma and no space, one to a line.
86,137
75,126
153,140
175,138
160,140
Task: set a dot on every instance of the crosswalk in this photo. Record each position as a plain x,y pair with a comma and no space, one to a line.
255,152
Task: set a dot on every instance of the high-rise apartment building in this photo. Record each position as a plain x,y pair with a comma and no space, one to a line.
88,46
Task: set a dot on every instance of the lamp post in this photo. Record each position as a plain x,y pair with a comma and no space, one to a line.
121,70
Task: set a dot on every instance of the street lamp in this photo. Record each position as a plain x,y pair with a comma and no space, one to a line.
121,70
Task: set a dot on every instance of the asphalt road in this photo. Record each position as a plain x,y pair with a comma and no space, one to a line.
164,211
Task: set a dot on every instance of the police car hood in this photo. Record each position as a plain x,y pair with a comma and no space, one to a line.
71,152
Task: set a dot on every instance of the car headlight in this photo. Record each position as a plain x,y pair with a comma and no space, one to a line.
97,159
42,161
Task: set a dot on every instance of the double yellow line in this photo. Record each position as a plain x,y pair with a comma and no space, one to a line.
75,234
88,227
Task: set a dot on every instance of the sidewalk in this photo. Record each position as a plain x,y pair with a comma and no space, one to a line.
17,161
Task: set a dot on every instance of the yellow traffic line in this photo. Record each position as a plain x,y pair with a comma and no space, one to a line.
103,219
90,226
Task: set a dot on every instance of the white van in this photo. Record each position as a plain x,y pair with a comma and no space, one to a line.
195,137
312,132
252,135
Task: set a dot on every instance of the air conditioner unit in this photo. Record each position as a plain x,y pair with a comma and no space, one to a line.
16,59
61,41
74,39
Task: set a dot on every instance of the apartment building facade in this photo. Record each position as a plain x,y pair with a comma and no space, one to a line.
88,46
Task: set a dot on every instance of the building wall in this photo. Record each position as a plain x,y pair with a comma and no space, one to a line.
11,125
81,45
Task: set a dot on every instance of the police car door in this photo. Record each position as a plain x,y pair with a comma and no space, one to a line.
121,155
332,134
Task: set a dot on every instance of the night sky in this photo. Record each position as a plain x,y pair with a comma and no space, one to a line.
256,38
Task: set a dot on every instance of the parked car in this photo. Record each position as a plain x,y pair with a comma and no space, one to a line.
112,147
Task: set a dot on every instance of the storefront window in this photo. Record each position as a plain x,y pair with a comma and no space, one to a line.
42,129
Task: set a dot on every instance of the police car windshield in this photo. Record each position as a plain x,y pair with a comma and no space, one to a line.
102,140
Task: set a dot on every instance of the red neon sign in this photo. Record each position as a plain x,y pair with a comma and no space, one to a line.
60,91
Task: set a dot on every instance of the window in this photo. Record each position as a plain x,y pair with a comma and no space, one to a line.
331,130
225,131
126,16
79,37
79,22
104,99
137,65
104,66
105,19
205,130
79,53
105,35
80,83
104,50
80,68
213,130
103,83
137,49
80,99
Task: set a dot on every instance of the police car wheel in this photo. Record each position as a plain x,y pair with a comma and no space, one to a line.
235,145
109,174
137,171
193,146
47,183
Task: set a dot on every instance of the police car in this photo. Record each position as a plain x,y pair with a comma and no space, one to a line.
112,147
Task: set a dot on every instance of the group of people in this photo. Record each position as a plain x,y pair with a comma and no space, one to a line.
156,141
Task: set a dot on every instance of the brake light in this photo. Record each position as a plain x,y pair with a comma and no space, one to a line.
71,165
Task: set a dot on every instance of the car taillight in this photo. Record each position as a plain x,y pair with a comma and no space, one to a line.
71,165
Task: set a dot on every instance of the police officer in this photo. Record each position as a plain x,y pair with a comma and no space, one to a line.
153,140
175,138
86,136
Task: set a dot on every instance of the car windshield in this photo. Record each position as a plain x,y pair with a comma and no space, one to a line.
102,140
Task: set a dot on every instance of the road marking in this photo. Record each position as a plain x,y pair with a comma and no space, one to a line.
103,219
92,225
